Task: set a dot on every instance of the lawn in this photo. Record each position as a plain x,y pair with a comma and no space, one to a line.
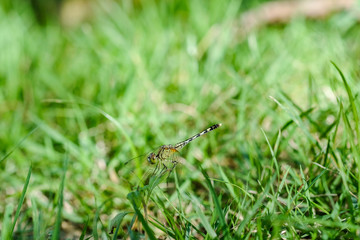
83,105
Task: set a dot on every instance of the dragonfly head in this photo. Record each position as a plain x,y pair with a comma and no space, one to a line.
151,158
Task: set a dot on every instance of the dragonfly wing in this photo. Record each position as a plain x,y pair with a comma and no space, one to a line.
173,159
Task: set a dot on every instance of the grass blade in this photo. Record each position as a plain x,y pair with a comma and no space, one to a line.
352,101
6,224
83,232
204,221
352,138
18,144
133,199
273,154
36,219
256,206
97,214
21,199
218,209
116,222
57,228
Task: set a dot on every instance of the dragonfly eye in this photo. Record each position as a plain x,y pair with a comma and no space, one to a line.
151,158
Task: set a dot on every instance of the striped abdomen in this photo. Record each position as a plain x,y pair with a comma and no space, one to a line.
184,143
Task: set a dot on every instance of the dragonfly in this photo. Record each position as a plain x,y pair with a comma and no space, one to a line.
166,154
165,158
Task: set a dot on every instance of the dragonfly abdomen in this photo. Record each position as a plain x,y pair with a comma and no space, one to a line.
184,143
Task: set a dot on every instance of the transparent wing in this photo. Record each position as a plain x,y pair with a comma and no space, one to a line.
139,172
173,158
136,173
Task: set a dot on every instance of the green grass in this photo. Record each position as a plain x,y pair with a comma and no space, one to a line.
77,103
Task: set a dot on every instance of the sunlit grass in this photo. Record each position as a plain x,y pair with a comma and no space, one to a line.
77,104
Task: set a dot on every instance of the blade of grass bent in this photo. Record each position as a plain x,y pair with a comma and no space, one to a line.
146,226
116,222
354,146
272,151
351,99
295,117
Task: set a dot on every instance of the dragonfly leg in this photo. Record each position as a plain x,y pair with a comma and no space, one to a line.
164,168
170,171
155,170
174,165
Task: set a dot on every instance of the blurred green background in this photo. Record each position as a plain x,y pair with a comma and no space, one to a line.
105,81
